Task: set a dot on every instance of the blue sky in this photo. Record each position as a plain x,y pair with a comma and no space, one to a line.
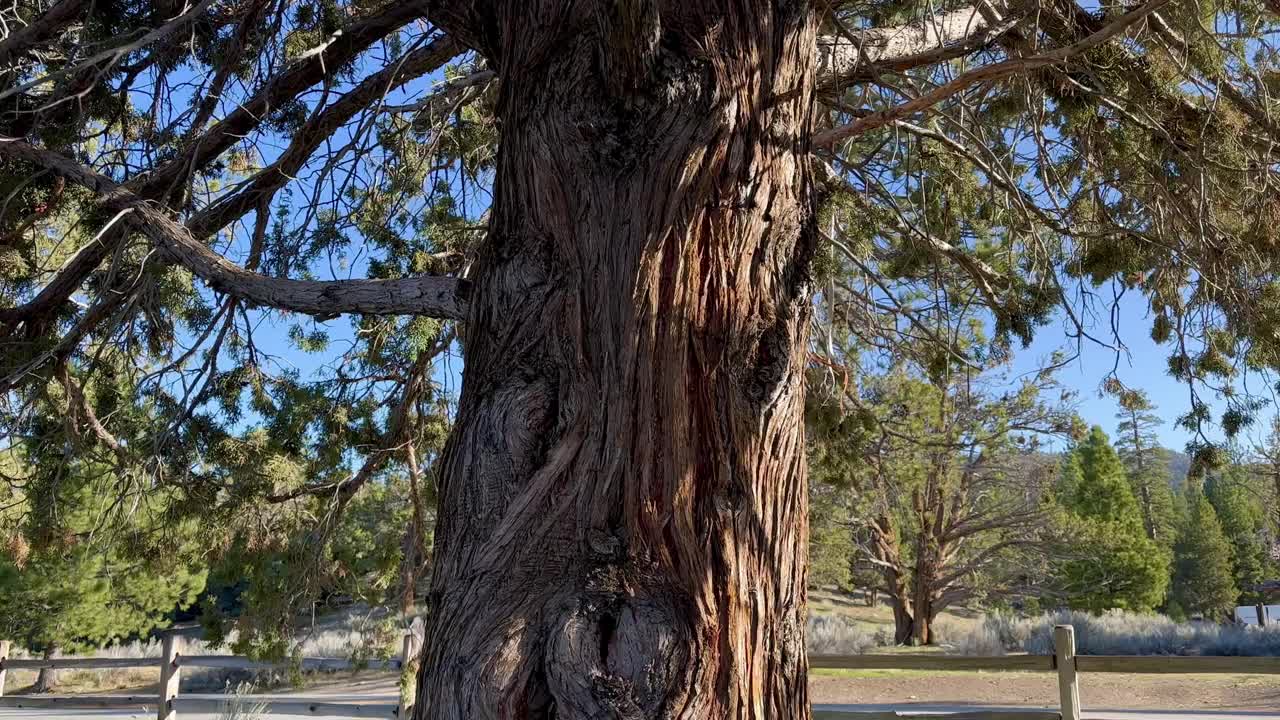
1142,364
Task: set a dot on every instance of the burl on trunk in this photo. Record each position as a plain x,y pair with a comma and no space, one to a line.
623,504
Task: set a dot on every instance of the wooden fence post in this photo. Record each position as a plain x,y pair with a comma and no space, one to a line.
4,656
170,674
1064,658
407,692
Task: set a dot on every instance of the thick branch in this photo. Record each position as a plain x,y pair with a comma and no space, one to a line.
988,73
440,297
42,28
950,35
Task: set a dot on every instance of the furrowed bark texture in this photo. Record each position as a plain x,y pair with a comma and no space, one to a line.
624,498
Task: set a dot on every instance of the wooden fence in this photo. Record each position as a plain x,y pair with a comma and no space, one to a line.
170,665
1065,663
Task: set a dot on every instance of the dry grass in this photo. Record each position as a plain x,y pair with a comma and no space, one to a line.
842,624
1116,633
356,634
239,707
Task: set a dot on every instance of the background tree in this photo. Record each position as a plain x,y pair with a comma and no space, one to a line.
1104,558
73,577
940,464
1202,580
1237,503
830,538
1268,466
1147,469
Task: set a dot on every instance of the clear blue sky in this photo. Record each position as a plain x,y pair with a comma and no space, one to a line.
1142,364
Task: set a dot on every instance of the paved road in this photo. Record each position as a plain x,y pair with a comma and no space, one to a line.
14,714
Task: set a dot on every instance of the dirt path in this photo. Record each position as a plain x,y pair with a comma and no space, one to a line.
1135,692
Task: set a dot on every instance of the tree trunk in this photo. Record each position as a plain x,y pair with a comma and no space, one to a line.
623,513
922,627
873,597
924,580
47,678
903,621
409,565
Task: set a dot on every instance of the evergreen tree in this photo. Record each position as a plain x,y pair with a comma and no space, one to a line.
1104,558
73,576
830,537
1147,469
624,209
1237,502
1202,582
941,462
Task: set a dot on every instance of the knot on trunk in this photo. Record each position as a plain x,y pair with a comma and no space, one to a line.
622,660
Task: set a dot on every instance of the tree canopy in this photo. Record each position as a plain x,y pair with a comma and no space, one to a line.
1106,560
239,238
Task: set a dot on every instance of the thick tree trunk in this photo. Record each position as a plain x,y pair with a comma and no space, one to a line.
922,627
47,678
903,621
623,506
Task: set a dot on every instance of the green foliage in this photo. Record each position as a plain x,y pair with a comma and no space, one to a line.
283,567
1202,581
830,537
1236,501
82,576
1104,558
1146,466
1093,485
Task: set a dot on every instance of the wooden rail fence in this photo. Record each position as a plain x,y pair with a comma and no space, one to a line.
1065,663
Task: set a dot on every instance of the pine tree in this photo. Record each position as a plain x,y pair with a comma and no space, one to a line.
1237,502
830,536
1202,582
1104,558
1139,449
75,577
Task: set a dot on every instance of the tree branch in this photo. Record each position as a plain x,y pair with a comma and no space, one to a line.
320,128
203,149
988,73
42,28
843,60
441,297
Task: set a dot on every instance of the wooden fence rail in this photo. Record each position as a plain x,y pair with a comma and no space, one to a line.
168,700
1064,662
